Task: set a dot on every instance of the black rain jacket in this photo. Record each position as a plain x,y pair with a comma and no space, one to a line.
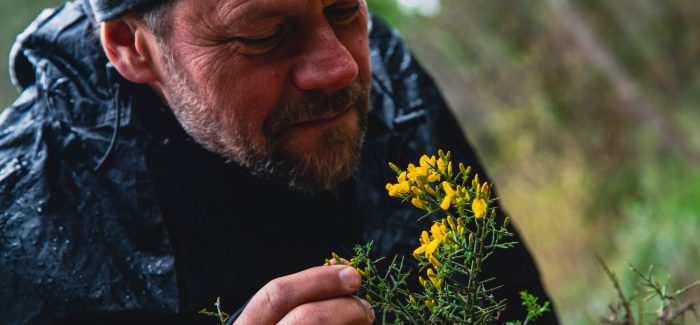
110,213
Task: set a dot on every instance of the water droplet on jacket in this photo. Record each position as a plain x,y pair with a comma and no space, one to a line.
9,168
415,103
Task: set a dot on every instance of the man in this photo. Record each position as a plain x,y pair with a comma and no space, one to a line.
197,149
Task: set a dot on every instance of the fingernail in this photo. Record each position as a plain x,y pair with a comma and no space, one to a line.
370,310
350,277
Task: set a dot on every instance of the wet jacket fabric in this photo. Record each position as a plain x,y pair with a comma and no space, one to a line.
110,212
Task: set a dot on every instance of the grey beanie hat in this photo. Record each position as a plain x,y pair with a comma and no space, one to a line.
109,9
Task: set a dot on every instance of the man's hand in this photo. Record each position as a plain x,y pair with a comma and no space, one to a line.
319,295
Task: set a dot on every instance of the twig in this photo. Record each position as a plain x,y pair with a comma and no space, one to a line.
629,318
669,316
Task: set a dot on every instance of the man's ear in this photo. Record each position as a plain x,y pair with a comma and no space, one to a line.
131,49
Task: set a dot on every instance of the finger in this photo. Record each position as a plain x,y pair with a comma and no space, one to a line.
279,296
343,310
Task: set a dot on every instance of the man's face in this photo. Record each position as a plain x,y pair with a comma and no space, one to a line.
278,86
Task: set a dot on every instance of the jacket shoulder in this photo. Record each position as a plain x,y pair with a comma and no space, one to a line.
21,146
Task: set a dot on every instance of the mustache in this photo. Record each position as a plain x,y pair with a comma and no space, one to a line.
313,105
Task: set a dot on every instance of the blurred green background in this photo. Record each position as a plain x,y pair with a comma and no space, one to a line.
585,113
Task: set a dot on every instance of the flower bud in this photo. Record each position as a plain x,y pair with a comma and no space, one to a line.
394,168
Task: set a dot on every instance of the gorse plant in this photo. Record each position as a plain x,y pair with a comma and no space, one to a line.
634,308
449,255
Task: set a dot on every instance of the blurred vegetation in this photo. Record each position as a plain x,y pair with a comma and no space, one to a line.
587,112
15,15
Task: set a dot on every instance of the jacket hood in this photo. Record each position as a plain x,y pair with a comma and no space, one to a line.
60,54
61,32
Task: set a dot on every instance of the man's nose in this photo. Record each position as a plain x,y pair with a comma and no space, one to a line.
324,63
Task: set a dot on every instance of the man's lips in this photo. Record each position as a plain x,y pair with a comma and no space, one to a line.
325,119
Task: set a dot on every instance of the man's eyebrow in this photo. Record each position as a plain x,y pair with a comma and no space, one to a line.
229,10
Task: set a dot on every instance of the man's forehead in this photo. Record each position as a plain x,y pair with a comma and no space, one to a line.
269,7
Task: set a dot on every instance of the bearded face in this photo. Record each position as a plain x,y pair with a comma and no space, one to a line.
285,96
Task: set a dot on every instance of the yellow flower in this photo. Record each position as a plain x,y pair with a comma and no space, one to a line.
401,178
451,222
415,172
423,282
449,194
362,273
424,237
479,208
441,166
430,304
432,247
418,203
425,162
437,232
404,187
437,281
393,189
466,195
416,190
433,177
434,261
420,250
411,299
448,188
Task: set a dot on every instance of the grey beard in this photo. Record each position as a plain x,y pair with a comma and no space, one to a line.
335,155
